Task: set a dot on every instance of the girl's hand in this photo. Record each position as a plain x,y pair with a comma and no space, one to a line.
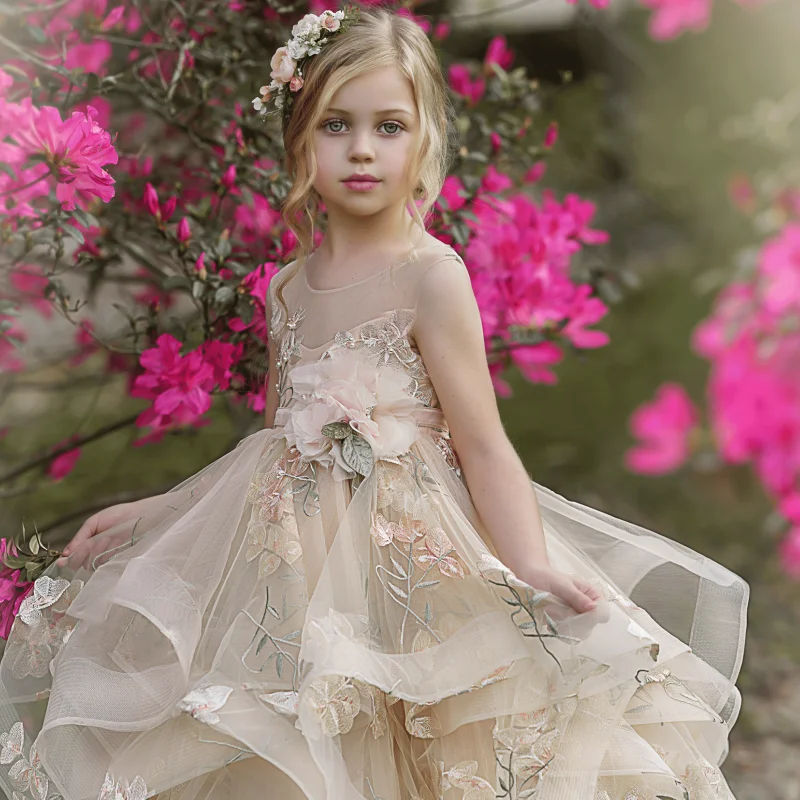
575,591
98,523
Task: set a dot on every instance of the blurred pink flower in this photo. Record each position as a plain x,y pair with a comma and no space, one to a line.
672,17
779,264
663,427
462,83
550,135
62,465
498,52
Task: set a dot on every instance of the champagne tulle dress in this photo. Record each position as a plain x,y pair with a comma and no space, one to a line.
321,614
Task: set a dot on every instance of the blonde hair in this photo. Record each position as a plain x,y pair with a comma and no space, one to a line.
379,39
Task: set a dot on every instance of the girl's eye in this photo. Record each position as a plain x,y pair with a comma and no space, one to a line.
333,122
395,125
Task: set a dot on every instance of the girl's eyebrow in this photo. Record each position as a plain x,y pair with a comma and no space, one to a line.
380,113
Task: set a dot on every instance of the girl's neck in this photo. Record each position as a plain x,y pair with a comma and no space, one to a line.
352,239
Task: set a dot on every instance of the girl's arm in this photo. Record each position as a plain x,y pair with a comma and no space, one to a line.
272,387
449,335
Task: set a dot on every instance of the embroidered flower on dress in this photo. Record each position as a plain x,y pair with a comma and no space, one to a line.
373,402
42,626
26,774
271,544
336,702
436,550
383,531
121,789
201,703
464,775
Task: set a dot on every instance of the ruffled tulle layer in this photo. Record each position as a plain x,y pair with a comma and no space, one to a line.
267,631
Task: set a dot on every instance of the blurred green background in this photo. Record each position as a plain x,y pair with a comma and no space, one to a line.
645,131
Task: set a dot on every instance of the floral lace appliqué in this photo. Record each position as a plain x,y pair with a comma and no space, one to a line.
42,626
387,342
122,789
25,772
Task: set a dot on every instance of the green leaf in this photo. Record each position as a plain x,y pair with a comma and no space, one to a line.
357,454
85,218
198,290
239,269
223,248
72,231
337,430
224,295
34,545
37,34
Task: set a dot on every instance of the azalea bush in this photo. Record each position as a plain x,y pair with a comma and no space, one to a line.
751,340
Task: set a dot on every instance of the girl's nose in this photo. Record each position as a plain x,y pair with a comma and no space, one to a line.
361,148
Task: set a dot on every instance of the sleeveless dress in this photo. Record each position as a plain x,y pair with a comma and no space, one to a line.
321,614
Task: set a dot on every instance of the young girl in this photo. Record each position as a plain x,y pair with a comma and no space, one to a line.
369,598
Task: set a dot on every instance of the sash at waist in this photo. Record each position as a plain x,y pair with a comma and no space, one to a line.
431,420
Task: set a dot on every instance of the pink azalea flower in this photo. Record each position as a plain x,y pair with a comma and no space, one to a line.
790,507
453,192
495,181
76,149
29,281
441,30
462,84
535,173
179,386
13,590
534,362
62,465
672,17
257,283
222,356
664,427
9,360
551,135
779,264
498,53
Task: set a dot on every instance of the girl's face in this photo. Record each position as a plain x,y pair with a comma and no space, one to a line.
370,129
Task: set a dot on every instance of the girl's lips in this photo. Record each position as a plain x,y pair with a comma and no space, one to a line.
361,185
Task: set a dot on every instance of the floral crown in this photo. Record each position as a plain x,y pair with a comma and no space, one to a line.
308,37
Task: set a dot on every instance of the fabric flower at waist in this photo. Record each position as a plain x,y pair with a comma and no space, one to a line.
347,413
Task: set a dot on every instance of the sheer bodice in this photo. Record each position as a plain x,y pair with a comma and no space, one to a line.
375,316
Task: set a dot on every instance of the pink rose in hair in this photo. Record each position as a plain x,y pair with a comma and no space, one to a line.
283,65
296,83
329,22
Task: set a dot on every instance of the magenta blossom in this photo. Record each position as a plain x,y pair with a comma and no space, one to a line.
462,83
664,428
672,17
75,149
13,590
179,386
498,52
780,266
62,465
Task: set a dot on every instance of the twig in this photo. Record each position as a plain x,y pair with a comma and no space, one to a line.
66,448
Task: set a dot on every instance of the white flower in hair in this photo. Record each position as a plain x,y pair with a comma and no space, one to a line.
308,37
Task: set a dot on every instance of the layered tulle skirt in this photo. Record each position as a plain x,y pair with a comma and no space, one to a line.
265,631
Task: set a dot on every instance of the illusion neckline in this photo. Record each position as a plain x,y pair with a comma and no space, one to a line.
414,251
